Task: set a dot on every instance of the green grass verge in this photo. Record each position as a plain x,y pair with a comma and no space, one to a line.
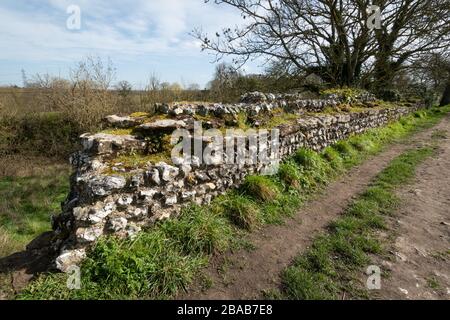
327,269
165,259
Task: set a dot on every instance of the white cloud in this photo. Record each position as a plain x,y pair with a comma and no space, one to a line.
122,30
108,26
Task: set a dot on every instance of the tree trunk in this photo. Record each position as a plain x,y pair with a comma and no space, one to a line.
446,96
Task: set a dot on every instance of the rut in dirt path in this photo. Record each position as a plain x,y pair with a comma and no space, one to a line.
419,267
248,273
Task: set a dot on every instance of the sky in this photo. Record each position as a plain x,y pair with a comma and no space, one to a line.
141,37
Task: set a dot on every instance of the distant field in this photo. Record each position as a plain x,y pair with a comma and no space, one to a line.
47,121
15,101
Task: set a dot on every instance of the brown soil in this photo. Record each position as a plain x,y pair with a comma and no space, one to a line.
18,269
418,266
246,274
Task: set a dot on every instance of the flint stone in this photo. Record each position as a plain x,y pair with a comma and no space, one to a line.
132,231
171,200
178,161
137,212
253,97
156,207
185,169
94,214
177,111
147,193
69,258
103,143
125,200
210,186
162,108
270,97
201,176
86,235
163,125
207,199
117,224
188,195
100,214
122,122
105,185
137,180
154,176
168,172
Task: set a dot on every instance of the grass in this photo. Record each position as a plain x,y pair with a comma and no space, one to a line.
164,260
350,156
157,264
314,164
281,118
28,200
152,266
290,175
348,94
242,121
439,134
200,231
433,283
261,188
333,157
241,210
327,269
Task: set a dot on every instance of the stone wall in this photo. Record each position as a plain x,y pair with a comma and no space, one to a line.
106,199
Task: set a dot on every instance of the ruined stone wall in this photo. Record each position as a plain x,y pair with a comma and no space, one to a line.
105,199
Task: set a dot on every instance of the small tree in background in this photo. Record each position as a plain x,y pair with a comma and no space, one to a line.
124,88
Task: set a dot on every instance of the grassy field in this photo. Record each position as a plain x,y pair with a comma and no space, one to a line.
30,191
161,262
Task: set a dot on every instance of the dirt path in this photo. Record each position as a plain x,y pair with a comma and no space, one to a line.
248,273
419,264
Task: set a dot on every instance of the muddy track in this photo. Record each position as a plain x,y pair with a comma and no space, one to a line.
249,273
418,266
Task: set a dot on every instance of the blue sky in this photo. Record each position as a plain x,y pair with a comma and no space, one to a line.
141,37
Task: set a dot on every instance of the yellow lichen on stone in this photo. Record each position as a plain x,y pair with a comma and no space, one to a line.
119,132
280,118
135,161
347,93
139,114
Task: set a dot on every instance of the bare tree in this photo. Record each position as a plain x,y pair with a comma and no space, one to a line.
446,95
327,37
154,83
331,37
410,29
124,88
